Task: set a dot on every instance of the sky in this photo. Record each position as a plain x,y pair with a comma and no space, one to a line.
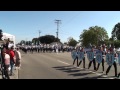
25,25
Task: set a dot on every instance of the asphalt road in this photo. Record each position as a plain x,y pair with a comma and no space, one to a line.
58,66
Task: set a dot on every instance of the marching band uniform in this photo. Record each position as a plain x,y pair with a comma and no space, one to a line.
76,58
94,62
83,59
115,65
119,74
103,54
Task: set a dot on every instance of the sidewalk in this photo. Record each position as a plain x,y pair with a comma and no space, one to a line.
12,77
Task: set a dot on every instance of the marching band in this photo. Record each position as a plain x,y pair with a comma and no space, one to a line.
100,55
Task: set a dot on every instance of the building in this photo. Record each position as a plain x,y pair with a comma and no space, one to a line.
11,37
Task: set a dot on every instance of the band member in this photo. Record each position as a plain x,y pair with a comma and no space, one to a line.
103,54
119,72
76,58
82,50
94,62
114,64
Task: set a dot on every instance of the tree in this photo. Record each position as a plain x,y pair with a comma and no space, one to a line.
48,39
94,35
72,42
22,42
35,40
65,43
116,31
1,34
29,42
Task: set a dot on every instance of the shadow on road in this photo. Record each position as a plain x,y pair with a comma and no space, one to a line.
75,72
95,77
71,69
80,74
99,77
68,69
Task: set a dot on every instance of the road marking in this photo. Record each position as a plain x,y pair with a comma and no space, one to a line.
98,74
104,76
63,62
111,78
90,71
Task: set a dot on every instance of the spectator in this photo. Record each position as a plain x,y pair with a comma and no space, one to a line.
18,58
12,60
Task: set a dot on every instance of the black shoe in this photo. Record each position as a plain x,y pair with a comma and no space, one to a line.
116,76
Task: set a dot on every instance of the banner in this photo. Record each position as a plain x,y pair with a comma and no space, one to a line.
73,54
80,55
110,59
99,57
90,56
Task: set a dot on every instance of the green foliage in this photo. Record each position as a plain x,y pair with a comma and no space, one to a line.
1,34
22,42
117,30
35,40
94,35
72,42
117,43
65,42
48,39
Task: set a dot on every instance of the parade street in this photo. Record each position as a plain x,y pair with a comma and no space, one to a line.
58,66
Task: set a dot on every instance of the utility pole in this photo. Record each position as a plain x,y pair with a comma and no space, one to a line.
39,37
39,33
58,22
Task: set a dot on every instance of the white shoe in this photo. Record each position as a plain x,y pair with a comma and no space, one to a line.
9,68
